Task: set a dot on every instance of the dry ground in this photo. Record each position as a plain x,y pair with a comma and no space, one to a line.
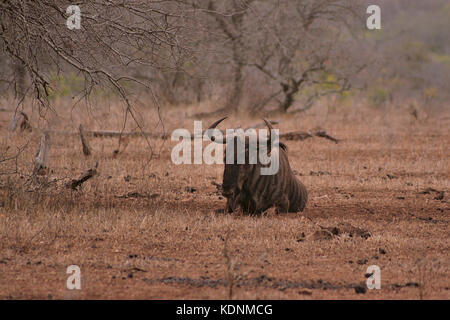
139,230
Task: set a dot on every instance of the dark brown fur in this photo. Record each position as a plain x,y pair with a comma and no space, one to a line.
244,186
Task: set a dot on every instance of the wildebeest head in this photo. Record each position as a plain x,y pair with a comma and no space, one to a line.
236,172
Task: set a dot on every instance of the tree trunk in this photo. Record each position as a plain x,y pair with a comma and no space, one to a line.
289,90
236,92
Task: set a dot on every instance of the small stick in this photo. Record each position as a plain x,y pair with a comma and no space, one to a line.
303,135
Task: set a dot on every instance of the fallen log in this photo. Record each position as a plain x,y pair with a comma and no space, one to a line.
262,124
111,134
207,114
296,135
254,126
85,176
323,134
303,135
293,135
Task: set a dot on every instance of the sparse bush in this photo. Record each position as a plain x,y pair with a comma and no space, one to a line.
379,96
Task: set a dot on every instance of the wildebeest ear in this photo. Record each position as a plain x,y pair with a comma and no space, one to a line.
283,146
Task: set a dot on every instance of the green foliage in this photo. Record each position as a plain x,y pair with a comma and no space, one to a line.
328,82
64,85
441,58
430,93
379,96
413,53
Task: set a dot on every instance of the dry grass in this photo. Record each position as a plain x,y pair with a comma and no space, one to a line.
136,232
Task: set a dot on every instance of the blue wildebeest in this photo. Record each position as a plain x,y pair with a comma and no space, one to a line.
244,185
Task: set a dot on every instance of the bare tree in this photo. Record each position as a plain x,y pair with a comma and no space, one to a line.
290,48
115,38
231,24
274,54
303,48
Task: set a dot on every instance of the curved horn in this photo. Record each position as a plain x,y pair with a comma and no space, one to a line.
213,126
270,131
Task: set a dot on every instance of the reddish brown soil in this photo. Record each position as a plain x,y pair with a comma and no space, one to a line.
146,237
